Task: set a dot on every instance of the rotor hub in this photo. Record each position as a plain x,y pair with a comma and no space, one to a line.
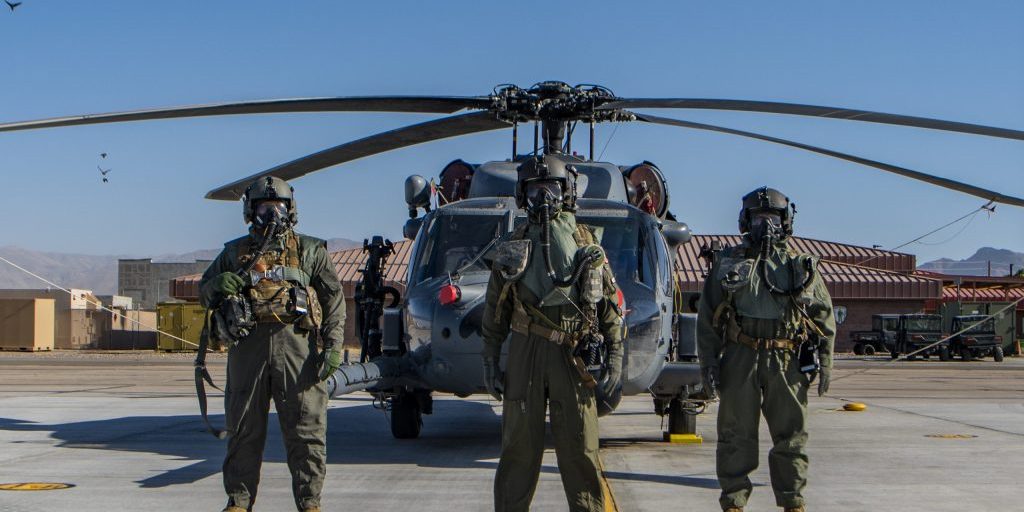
555,101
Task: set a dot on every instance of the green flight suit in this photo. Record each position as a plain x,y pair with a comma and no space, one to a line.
279,361
539,372
763,380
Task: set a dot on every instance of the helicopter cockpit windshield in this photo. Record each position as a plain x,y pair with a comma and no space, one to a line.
454,242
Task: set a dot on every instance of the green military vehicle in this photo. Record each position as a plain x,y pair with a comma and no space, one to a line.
979,340
880,338
917,331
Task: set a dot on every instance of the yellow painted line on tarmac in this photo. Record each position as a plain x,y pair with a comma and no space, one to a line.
35,486
610,505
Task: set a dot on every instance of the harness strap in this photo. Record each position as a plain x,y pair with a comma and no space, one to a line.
201,375
767,343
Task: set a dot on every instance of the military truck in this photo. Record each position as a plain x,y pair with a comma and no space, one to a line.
917,331
979,340
879,339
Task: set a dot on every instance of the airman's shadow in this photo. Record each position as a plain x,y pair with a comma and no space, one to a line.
460,434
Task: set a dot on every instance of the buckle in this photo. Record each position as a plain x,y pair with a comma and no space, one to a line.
275,274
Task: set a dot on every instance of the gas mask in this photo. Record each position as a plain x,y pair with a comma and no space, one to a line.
543,196
765,227
270,212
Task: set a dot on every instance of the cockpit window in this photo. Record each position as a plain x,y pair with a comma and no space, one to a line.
632,259
453,241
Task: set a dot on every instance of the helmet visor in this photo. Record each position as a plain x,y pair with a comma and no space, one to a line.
268,210
540,192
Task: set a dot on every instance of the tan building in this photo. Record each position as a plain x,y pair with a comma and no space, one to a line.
77,319
26,324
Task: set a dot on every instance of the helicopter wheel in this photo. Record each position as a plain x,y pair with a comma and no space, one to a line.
406,416
680,421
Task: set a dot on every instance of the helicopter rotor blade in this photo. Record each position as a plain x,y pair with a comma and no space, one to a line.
451,126
772,107
410,104
986,194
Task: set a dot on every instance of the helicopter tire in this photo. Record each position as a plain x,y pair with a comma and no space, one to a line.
679,420
406,417
997,354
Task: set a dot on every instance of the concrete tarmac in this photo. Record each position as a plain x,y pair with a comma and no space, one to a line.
124,430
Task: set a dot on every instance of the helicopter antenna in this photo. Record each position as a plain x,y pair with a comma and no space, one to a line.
568,139
536,135
591,140
515,139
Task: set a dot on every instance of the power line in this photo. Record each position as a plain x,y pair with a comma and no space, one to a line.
97,304
984,207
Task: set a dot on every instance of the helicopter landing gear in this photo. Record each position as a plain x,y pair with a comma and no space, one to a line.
682,418
407,410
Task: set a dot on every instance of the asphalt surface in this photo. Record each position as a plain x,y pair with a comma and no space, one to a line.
124,430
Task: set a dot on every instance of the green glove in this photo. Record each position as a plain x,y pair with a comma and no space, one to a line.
227,283
824,379
331,362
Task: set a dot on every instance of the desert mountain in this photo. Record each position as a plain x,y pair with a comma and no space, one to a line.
94,272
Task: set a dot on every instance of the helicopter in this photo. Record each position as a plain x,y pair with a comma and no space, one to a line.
429,339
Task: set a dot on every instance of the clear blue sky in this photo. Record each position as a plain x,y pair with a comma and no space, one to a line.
952,60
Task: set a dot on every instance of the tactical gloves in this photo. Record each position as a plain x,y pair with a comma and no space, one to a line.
710,378
331,361
824,377
612,383
493,377
614,380
227,284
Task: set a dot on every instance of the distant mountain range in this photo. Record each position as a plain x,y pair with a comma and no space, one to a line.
96,273
978,264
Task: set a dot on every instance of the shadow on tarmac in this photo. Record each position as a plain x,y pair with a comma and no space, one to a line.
459,434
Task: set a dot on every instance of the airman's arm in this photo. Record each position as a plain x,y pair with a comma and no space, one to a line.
820,311
609,314
495,325
324,279
709,343
207,296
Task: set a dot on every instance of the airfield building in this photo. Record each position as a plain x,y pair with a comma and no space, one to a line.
146,281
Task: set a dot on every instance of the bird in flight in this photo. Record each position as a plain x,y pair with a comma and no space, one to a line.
104,173
102,155
12,5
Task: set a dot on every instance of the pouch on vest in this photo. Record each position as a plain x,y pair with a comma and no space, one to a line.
592,281
512,257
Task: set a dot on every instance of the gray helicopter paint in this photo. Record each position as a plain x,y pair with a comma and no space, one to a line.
598,180
447,339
